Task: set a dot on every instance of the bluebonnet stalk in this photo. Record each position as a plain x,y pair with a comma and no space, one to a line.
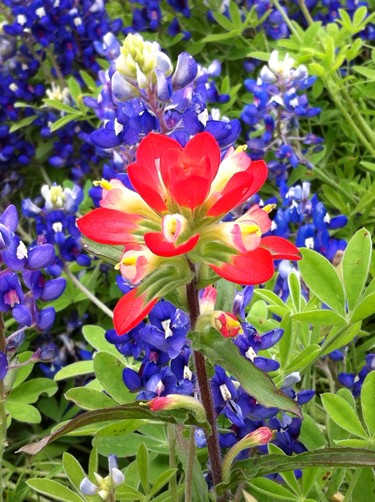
22,268
56,223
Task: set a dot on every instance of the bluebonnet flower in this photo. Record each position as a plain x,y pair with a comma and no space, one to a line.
251,342
273,118
104,487
354,382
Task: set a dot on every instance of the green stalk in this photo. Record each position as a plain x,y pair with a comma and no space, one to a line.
3,417
305,11
172,460
190,468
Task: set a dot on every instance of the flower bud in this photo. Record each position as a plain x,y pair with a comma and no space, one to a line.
176,402
226,323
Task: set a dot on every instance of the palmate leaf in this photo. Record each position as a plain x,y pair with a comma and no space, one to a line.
325,457
222,351
133,410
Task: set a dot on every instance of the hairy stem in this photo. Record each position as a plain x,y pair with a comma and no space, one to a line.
204,386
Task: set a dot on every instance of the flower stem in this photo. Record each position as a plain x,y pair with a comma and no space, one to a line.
3,418
172,460
87,292
204,386
190,467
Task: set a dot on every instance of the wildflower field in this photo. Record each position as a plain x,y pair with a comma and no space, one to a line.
187,282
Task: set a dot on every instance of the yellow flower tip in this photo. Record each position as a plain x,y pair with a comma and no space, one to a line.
103,183
129,260
117,266
269,207
241,148
250,229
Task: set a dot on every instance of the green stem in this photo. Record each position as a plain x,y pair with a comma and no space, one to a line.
349,491
190,467
3,417
324,177
87,292
355,112
305,11
172,460
335,96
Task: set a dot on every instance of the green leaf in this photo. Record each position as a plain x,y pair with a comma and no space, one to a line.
23,123
304,358
311,435
54,490
272,489
271,298
132,411
356,266
343,414
59,105
364,309
73,470
324,457
222,351
295,290
108,370
75,369
368,402
89,81
127,492
225,295
95,336
320,317
30,391
143,466
162,480
89,399
323,280
64,120
23,412
338,337
109,253
74,88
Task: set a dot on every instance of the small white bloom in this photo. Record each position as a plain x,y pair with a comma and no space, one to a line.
225,392
251,354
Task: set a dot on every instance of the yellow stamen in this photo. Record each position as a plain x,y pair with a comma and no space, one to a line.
269,207
129,260
250,229
104,184
241,148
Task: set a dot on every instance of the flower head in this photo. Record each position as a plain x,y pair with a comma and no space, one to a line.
172,220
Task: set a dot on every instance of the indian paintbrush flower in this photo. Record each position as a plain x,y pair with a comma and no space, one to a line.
172,220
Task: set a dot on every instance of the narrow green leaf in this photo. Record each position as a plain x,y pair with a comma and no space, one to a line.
319,317
127,492
271,298
272,489
110,253
89,81
162,480
63,121
54,489
304,358
323,280
73,470
338,337
343,414
368,402
23,123
74,88
108,370
59,105
311,435
143,466
364,309
75,369
222,351
356,265
89,399
324,457
132,411
295,291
